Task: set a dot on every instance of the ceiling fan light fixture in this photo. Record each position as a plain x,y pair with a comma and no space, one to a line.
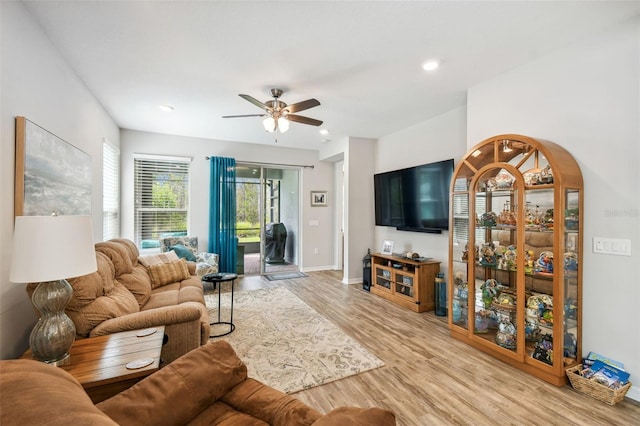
269,124
283,124
278,115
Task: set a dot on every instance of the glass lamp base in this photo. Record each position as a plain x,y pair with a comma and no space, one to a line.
54,333
66,359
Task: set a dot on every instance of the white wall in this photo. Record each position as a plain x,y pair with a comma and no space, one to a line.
317,178
586,98
38,84
440,138
358,212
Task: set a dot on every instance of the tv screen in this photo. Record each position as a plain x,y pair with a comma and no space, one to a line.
415,198
388,199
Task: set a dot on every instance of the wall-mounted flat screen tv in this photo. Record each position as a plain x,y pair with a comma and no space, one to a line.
415,198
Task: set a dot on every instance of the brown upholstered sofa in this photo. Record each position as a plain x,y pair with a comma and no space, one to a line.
209,385
130,292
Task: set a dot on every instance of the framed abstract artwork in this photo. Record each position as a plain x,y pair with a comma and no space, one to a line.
51,175
318,198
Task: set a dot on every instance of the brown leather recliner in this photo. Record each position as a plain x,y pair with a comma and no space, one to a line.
208,385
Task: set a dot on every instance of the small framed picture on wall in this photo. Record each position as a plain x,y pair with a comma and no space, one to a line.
318,198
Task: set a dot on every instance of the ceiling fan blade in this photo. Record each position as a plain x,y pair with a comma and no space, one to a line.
255,102
301,106
304,120
244,115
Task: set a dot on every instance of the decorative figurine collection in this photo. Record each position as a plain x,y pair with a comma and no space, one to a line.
495,304
460,297
503,180
544,264
538,177
506,335
535,220
504,258
507,217
496,307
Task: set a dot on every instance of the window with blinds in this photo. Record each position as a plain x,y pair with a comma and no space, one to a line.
161,196
110,192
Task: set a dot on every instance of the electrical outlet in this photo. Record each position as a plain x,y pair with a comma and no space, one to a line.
615,246
316,251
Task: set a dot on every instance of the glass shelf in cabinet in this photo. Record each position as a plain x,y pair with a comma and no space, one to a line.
498,227
405,291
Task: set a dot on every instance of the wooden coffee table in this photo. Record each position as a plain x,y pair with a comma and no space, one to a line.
100,363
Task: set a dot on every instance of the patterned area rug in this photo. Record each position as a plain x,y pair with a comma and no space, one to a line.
285,343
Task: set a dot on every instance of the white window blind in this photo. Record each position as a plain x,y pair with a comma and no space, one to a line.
161,192
110,192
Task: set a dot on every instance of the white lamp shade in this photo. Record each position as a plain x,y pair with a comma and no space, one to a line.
48,248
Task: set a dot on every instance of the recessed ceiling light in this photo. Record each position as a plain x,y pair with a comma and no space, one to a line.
324,132
166,107
430,65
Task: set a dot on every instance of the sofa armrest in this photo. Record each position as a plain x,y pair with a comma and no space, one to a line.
182,327
191,266
180,391
270,405
184,312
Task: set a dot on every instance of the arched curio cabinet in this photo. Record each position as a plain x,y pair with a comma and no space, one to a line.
515,254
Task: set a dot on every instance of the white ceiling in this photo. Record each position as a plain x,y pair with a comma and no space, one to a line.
361,59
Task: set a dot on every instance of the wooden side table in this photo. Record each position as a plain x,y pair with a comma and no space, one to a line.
99,363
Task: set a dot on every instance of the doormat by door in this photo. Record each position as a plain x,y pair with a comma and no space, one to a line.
285,276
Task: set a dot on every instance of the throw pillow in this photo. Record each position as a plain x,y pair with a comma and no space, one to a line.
183,252
155,259
167,273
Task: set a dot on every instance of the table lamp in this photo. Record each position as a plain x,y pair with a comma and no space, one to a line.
47,250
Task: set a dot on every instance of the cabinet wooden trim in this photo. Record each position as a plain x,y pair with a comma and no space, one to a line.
540,171
407,282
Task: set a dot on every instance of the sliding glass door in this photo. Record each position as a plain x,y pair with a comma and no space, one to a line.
280,225
267,201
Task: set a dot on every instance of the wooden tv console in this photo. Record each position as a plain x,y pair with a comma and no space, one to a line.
404,281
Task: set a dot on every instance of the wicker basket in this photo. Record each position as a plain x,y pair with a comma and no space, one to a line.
595,389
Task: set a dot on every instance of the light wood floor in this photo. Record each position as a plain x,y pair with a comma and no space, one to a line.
429,378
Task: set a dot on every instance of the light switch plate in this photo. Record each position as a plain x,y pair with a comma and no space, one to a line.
615,246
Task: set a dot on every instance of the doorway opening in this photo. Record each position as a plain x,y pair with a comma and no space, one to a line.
267,219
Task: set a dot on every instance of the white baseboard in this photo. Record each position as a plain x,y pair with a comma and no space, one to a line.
633,393
318,268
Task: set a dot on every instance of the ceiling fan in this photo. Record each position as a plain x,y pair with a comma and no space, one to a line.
279,114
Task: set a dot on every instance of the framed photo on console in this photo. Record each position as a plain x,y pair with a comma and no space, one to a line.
387,247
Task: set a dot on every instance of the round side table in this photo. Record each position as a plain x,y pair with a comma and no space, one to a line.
217,280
